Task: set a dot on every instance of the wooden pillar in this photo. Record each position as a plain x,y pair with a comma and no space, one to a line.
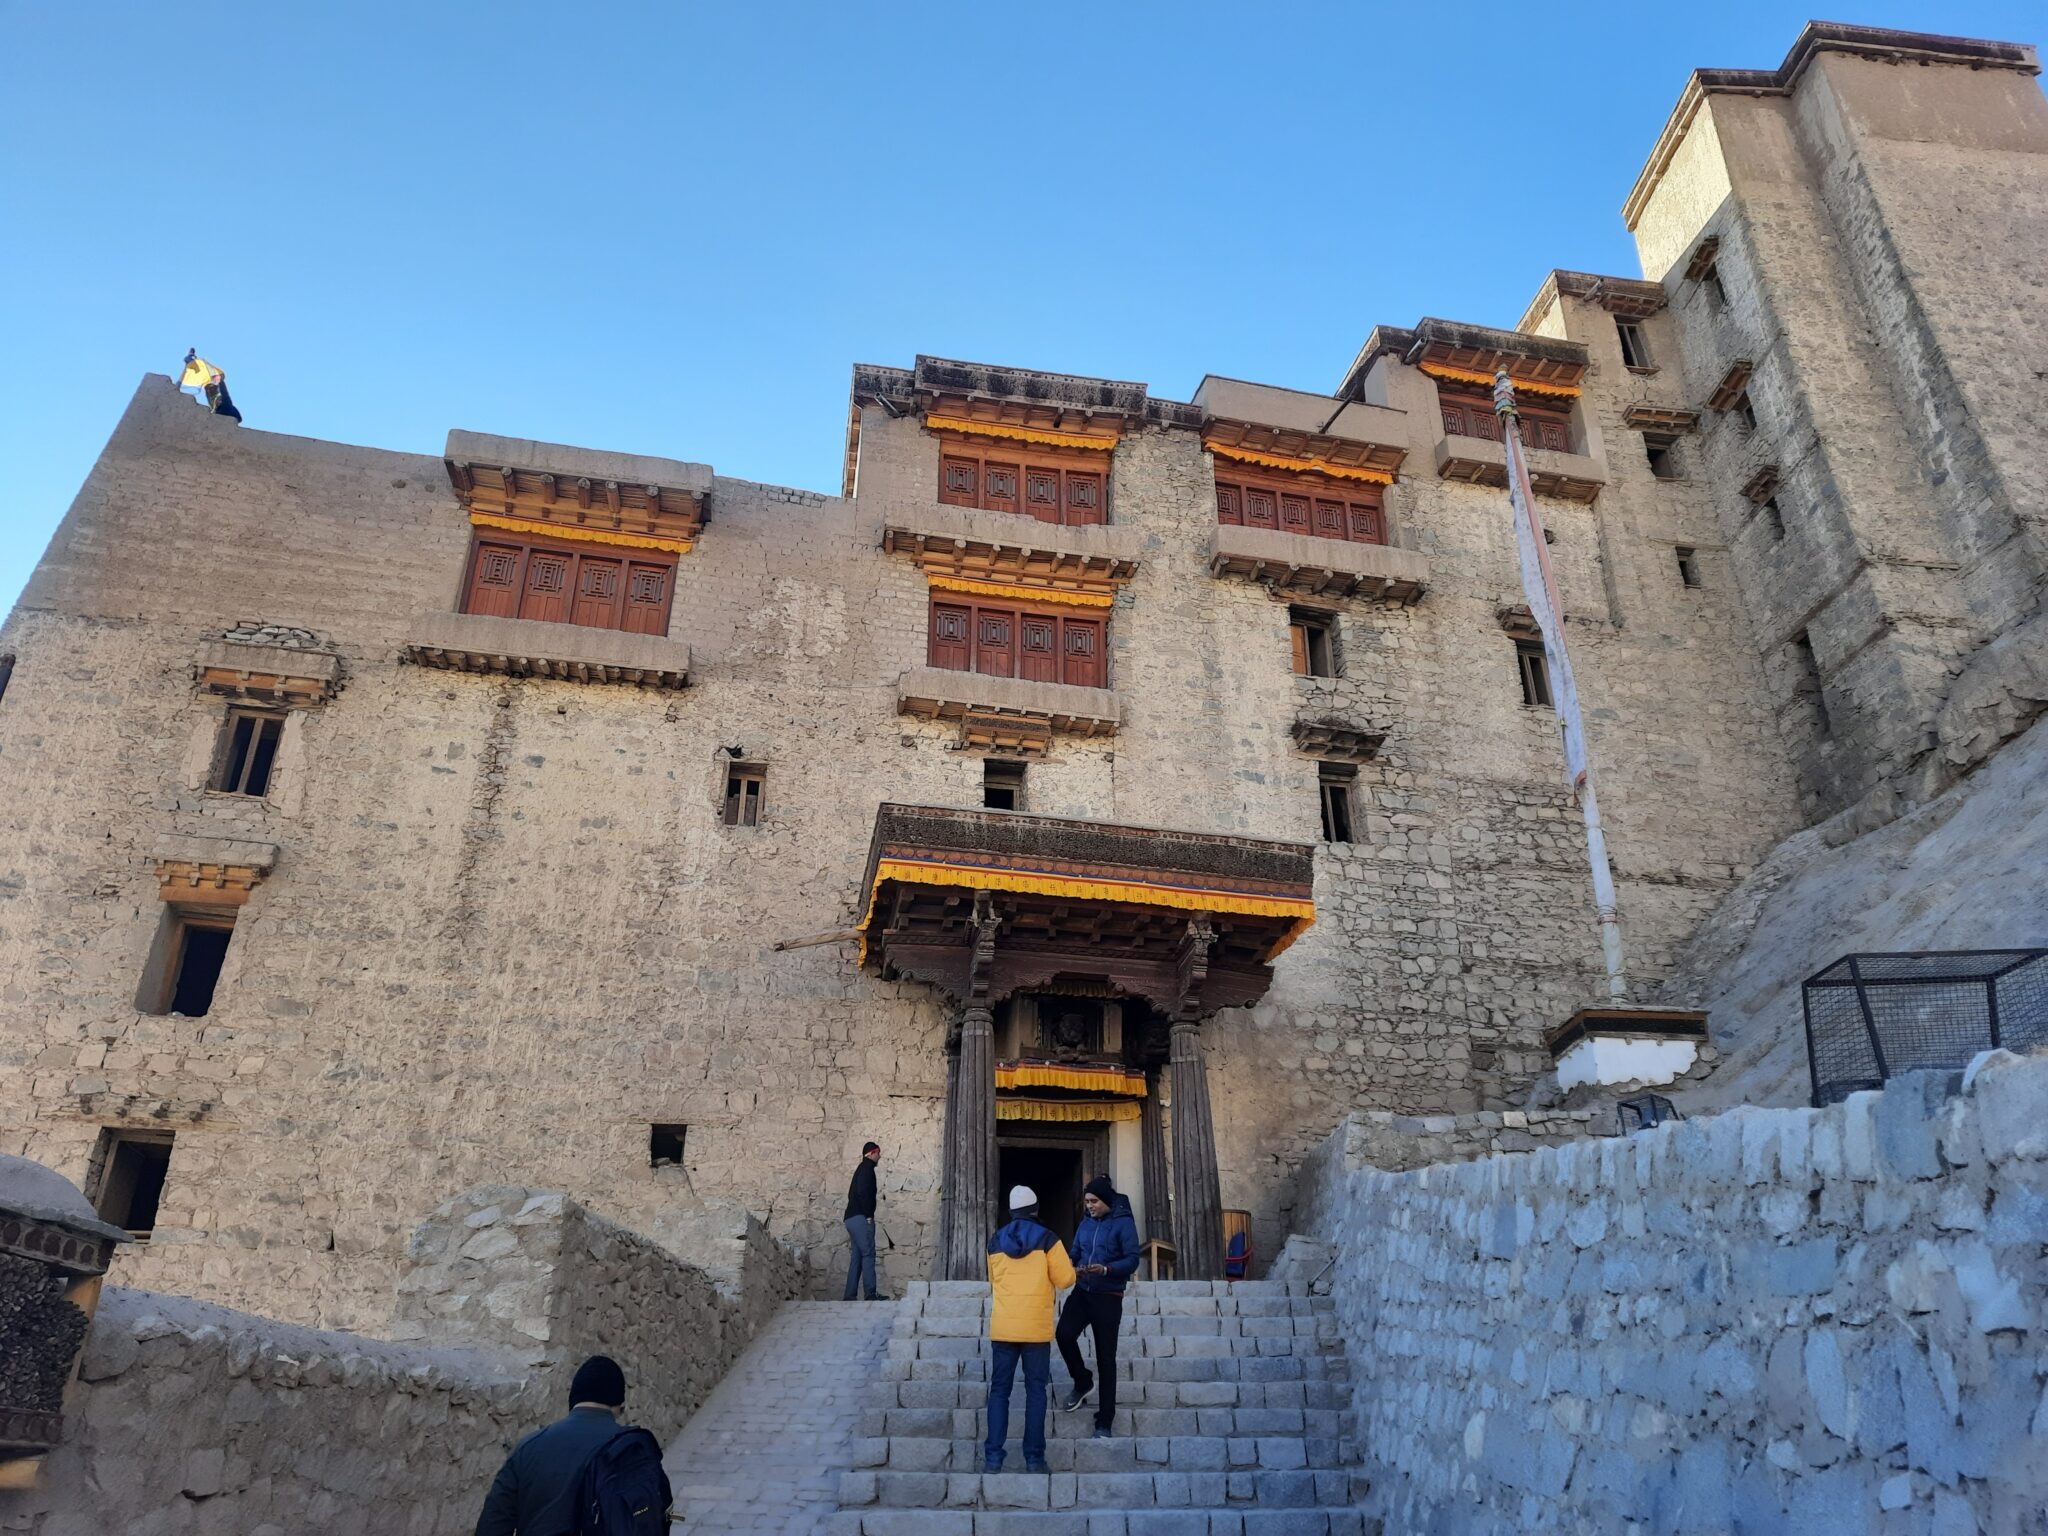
948,1192
971,1149
1152,1149
1197,1191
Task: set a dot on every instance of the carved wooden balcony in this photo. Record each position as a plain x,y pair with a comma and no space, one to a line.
1012,548
472,642
1317,567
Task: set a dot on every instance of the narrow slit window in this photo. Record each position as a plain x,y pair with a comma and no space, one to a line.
665,1145
1635,352
744,785
248,750
1688,566
1710,280
1337,781
1314,638
1662,453
1002,784
132,1168
1745,413
1774,516
1534,670
6,671
1807,683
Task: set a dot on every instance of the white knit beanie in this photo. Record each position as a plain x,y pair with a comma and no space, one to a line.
1022,1197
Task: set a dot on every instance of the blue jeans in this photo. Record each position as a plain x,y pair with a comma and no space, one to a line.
860,1257
1002,1372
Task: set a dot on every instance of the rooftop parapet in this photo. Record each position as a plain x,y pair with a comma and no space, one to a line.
1453,349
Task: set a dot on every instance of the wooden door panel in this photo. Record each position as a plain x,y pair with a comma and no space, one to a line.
1081,653
1293,513
1042,494
1084,498
598,584
995,642
999,486
1038,653
1367,524
546,596
647,599
494,581
1330,522
959,481
949,646
1259,508
1229,505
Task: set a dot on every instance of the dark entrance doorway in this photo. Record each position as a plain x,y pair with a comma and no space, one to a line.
1056,1161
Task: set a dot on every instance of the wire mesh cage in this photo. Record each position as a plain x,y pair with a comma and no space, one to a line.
1871,1017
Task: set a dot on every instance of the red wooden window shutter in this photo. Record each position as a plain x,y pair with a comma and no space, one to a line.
547,587
646,600
999,487
949,645
494,581
1042,494
1366,524
959,481
1083,647
597,592
1293,513
1084,497
995,642
1258,508
1330,520
1229,504
1038,657
1454,421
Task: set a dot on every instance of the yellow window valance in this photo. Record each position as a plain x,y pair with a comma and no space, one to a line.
1044,435
1127,1081
1477,376
1022,594
1303,466
580,534
969,877
1066,1110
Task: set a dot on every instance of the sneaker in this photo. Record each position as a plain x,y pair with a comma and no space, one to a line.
1075,1397
992,1464
1035,1466
1102,1432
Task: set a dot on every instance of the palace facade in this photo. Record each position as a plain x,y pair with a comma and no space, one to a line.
1097,781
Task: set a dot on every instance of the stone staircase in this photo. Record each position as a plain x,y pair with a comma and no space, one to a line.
1233,1419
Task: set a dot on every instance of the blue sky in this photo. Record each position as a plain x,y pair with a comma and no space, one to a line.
672,228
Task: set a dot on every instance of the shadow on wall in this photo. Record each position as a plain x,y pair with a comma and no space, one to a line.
191,1417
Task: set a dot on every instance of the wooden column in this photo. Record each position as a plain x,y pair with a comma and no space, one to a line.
971,1156
1158,1177
948,1194
1197,1191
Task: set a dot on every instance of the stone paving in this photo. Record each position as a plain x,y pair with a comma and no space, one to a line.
765,1452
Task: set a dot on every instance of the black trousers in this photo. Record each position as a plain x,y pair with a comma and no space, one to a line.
1104,1314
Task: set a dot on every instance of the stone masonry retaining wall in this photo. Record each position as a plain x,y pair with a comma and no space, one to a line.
1789,1319
191,1417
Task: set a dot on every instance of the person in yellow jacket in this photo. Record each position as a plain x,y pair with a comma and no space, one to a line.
1026,1265
201,375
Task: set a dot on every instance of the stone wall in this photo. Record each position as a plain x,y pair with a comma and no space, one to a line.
190,1417
1815,1320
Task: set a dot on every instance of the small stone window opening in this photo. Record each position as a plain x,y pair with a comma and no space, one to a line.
744,784
1314,637
1635,351
248,749
1710,280
184,970
1662,452
665,1145
1806,681
1774,516
1002,784
132,1166
6,671
1688,566
1337,782
1745,413
1534,669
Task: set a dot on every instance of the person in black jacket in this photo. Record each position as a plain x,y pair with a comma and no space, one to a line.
534,1493
860,1225
1105,1258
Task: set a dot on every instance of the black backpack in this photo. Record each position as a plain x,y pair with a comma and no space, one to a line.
623,1491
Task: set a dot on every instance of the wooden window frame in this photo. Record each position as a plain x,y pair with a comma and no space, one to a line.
114,1186
1312,635
158,993
1003,776
1078,478
578,554
1635,346
246,768
746,791
1335,787
1470,413
1689,566
1312,505
982,654
1665,444
1532,666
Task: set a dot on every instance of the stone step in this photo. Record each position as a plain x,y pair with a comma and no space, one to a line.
974,1325
964,1423
1125,1453
922,1290
951,1392
1136,1522
961,1365
1143,1347
1095,1491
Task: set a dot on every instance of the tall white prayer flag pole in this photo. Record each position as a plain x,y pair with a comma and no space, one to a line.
1541,588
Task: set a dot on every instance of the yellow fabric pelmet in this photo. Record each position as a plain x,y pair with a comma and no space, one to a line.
1047,1109
1044,435
1038,1074
1305,466
1475,376
582,535
1021,594
915,872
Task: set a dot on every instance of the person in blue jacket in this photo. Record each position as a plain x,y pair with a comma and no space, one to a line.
1105,1258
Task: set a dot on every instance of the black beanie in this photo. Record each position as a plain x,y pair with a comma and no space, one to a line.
598,1380
1101,1189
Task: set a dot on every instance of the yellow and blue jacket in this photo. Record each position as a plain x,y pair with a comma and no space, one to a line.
1026,1265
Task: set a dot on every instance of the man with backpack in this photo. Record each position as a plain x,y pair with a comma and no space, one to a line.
1105,1258
583,1475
